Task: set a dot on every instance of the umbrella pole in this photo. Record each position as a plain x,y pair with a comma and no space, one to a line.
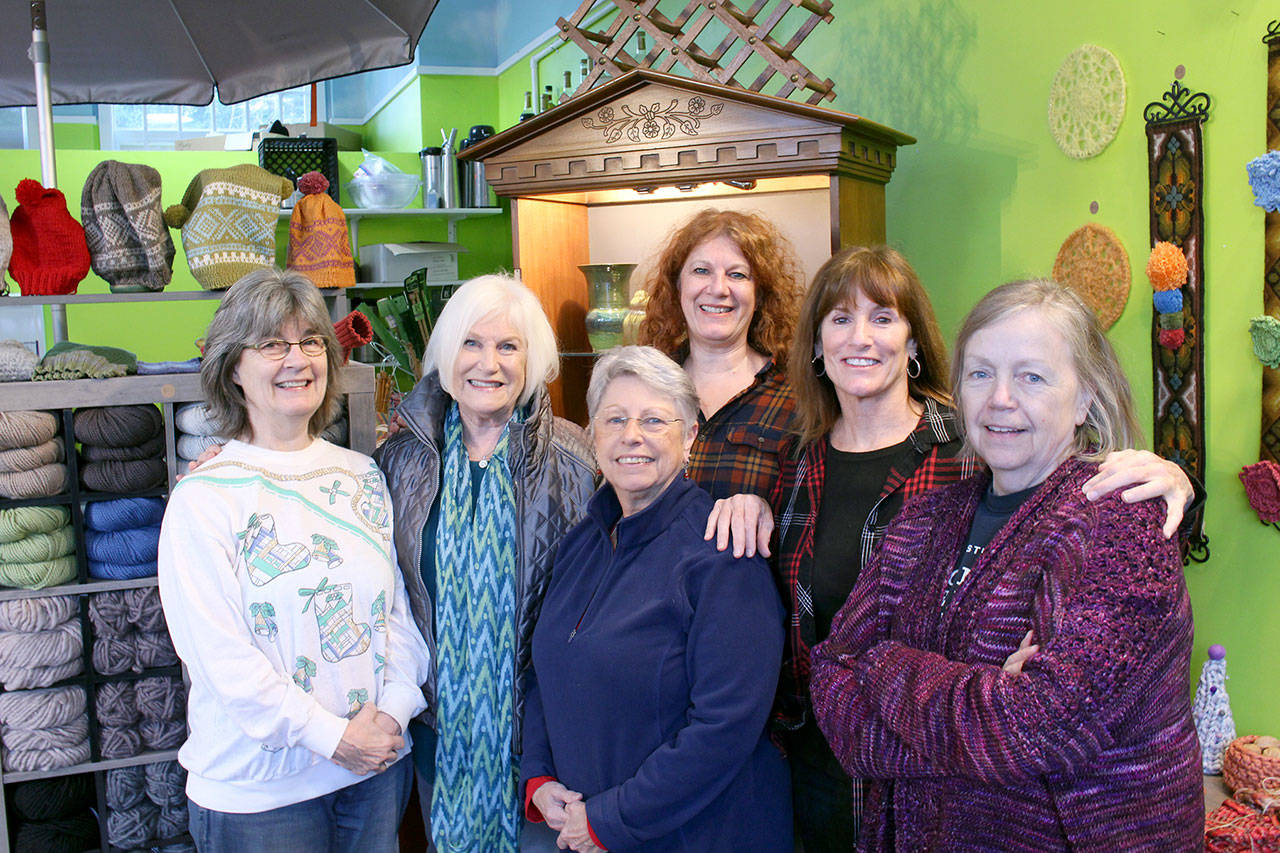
44,109
44,117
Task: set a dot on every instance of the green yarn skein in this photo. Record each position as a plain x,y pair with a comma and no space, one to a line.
1265,332
39,546
38,574
20,522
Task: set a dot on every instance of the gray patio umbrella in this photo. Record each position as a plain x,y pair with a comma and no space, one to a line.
178,51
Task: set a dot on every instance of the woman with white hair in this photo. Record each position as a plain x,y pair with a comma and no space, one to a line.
656,656
1011,670
485,481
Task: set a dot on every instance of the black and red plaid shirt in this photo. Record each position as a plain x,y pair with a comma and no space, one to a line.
796,499
738,449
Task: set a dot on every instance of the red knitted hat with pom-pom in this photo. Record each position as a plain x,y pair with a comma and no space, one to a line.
50,255
319,246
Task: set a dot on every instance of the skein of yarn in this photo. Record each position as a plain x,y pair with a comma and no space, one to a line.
153,447
39,658
26,429
123,514
117,426
147,804
44,729
50,799
42,482
29,458
193,419
135,545
39,574
65,835
37,614
39,546
123,475
19,522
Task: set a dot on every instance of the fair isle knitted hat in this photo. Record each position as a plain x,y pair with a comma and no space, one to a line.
129,244
49,252
228,220
319,247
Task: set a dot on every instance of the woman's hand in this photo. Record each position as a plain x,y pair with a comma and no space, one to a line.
576,835
1143,475
1013,663
551,799
206,455
365,747
747,518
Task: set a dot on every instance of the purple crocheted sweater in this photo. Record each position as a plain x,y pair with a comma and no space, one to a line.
1091,748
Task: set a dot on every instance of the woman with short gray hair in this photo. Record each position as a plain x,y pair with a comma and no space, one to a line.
655,656
281,592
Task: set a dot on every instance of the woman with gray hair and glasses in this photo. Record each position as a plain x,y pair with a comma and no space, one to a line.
656,656
280,587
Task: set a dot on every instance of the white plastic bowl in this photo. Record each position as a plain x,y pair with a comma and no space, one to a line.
384,191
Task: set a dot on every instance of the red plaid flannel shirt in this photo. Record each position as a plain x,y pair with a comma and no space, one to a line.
738,449
796,498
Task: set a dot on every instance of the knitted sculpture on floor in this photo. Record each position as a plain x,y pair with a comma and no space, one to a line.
1212,711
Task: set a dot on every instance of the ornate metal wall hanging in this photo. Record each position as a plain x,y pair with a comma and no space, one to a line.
1270,443
1176,170
751,33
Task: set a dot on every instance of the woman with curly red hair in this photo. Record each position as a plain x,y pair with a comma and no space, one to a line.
723,297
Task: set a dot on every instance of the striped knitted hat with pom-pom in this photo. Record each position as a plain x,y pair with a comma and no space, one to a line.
319,246
228,219
50,255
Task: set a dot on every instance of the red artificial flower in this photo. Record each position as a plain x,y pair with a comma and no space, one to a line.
1262,486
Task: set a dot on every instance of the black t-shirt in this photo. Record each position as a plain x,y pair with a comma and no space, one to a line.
851,486
992,514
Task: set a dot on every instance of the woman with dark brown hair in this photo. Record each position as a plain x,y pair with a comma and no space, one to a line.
722,303
869,376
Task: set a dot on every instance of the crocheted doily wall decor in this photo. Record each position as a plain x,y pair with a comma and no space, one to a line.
1094,264
1086,101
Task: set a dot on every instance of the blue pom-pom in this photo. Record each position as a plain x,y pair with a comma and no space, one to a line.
1168,301
1264,178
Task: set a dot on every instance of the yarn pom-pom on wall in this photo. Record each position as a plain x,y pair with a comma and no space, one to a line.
1094,264
1264,180
1166,267
1086,101
1265,331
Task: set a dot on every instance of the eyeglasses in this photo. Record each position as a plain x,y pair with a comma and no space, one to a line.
278,349
649,425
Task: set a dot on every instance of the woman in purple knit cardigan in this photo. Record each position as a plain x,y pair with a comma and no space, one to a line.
1012,669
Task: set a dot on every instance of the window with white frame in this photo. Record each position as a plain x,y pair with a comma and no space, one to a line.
128,127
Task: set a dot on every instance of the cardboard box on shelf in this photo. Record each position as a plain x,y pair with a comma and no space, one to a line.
348,140
392,262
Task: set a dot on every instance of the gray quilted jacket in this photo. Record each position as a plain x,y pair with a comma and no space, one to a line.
554,472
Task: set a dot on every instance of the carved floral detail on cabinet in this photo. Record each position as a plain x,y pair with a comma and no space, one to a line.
652,121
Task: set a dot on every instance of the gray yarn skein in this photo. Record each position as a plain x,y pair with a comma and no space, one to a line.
119,741
133,827
117,704
191,446
114,655
126,787
163,734
41,709
161,698
37,614
39,658
54,737
167,783
193,419
173,821
144,609
155,649
109,614
25,760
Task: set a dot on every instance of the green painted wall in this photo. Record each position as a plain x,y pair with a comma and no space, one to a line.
986,196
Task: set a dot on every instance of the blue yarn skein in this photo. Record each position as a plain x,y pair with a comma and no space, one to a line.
140,545
113,571
123,513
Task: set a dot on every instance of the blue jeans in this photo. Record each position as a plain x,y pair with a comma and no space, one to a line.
362,817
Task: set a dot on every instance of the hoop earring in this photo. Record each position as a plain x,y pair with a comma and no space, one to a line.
916,362
822,368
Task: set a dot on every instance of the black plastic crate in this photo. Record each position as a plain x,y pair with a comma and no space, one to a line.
293,157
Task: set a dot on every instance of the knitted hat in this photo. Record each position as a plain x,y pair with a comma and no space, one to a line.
50,255
16,361
228,221
6,242
129,244
319,247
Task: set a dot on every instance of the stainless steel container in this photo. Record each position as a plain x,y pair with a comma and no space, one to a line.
475,189
432,177
449,196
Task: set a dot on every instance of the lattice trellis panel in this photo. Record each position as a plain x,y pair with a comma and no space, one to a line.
752,32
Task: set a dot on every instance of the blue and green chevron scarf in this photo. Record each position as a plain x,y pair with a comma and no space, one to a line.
473,804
